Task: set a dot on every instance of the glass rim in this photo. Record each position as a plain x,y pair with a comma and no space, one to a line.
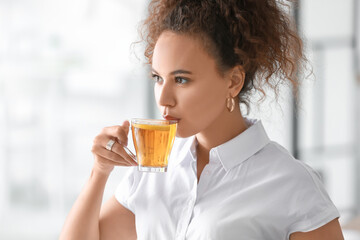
152,121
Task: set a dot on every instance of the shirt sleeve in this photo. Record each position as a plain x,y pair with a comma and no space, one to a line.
312,206
125,188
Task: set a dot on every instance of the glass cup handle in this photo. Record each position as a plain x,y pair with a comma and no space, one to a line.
128,151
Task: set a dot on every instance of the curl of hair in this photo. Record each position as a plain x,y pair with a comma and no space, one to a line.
258,35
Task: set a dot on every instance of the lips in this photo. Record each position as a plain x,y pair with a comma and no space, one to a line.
169,117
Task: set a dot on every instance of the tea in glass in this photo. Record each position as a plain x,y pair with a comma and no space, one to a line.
153,141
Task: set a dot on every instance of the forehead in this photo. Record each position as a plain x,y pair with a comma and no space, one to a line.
174,51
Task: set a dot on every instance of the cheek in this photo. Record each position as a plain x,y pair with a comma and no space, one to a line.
208,107
202,107
157,95
207,100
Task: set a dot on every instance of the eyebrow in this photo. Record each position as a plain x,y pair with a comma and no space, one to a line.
179,71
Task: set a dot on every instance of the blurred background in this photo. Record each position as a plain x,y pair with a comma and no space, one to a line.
68,68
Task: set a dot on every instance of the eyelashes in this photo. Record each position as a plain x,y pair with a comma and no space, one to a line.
178,79
181,80
156,78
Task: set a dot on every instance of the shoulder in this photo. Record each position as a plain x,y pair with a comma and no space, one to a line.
276,168
297,188
277,160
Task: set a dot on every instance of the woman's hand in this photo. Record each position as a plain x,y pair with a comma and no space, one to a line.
105,160
83,220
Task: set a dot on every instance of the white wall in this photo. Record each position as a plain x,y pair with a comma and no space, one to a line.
66,71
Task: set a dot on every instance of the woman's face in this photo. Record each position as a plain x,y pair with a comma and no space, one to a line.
187,84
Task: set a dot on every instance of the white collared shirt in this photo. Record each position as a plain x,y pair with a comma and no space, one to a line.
252,189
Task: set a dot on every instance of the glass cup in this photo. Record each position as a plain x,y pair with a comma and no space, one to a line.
153,141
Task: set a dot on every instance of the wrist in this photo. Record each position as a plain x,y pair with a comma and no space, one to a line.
100,173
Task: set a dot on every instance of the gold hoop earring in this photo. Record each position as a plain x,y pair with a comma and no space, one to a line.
230,104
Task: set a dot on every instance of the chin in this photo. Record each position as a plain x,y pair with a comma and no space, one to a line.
182,133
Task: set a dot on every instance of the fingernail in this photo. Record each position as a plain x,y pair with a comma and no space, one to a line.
126,123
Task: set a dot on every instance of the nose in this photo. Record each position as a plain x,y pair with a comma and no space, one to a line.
164,94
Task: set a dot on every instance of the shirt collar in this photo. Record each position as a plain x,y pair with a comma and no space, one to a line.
242,147
183,149
232,152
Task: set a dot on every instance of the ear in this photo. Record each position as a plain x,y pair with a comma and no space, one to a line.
237,79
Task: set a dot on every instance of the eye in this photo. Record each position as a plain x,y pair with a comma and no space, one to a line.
156,78
181,80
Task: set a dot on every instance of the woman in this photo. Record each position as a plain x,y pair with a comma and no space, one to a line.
225,179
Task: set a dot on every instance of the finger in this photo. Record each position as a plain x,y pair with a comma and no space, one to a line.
117,147
110,162
129,152
126,125
119,132
113,157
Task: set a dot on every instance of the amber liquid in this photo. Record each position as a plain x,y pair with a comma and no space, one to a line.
153,144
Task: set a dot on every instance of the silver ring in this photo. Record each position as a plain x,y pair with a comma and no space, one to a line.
110,144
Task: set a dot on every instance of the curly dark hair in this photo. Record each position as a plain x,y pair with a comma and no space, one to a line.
258,35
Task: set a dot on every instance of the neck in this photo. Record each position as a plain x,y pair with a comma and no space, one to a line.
223,129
